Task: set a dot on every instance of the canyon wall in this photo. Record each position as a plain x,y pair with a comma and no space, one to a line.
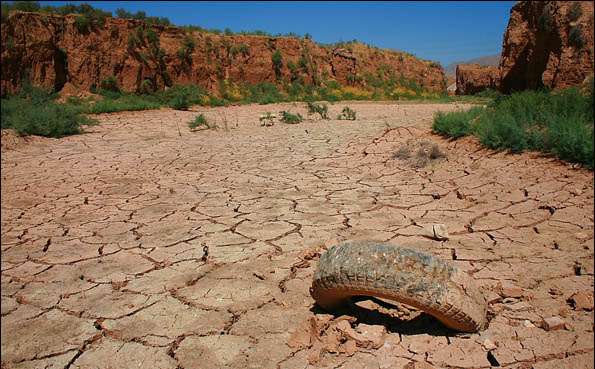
51,50
547,44
474,78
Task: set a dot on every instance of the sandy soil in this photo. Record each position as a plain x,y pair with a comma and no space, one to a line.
103,239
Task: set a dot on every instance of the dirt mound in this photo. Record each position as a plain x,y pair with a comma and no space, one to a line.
474,78
53,51
547,43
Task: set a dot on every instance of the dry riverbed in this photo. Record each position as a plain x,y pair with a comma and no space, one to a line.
104,237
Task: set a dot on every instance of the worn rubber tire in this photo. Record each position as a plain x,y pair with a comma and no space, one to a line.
365,268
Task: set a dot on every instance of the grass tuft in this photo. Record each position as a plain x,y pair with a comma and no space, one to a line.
289,118
200,122
347,114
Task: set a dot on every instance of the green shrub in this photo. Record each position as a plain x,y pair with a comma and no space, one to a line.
572,140
264,93
36,95
289,118
179,102
239,49
502,132
575,12
575,37
559,123
192,94
488,93
24,6
133,42
200,121
217,101
146,87
49,119
303,63
455,124
321,109
347,114
82,24
277,60
123,13
139,33
110,84
185,52
152,37
124,103
545,21
109,94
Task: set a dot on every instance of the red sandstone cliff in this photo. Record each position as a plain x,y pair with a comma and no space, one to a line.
473,78
51,51
547,43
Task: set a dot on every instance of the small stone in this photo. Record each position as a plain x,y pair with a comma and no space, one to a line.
435,195
553,323
512,291
374,334
555,291
582,301
493,297
440,232
488,344
418,365
259,276
519,306
509,300
299,339
349,348
576,192
527,323
367,336
564,311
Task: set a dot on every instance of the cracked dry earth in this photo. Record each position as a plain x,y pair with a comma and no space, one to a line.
103,234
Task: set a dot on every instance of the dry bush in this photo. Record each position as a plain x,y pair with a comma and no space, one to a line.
425,153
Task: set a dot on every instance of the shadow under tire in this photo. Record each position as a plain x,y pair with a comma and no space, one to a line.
366,268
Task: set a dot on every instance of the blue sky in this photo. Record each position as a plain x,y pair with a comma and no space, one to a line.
441,31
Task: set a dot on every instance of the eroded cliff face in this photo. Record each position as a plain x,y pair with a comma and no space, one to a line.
547,44
50,50
474,78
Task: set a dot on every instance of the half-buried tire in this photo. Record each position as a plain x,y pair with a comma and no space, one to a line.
365,268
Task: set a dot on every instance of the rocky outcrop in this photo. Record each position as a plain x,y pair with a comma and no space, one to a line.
473,78
547,44
51,51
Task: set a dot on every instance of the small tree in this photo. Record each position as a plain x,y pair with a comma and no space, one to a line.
122,13
277,60
185,52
